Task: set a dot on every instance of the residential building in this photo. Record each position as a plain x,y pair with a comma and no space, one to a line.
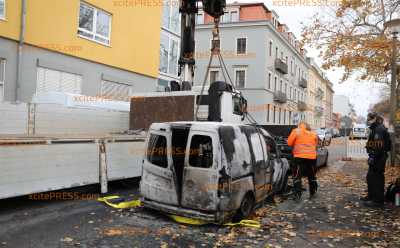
329,104
263,59
89,47
320,98
170,44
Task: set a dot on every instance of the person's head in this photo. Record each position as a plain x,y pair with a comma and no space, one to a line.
372,118
304,125
379,119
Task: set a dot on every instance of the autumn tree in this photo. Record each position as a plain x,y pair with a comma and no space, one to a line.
352,36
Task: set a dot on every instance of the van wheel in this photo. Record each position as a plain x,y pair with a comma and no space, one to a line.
284,186
246,207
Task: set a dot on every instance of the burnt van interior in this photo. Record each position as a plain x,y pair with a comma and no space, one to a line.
157,153
179,141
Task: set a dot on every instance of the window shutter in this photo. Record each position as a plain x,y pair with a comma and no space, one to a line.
58,81
116,91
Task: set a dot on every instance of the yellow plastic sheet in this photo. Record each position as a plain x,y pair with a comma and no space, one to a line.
120,205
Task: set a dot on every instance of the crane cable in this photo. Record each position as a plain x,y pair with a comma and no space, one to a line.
214,51
217,51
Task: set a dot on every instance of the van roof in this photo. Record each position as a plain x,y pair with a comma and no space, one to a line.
201,125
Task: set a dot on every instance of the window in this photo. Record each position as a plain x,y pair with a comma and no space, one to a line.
171,17
226,17
275,83
270,48
214,76
290,93
279,116
268,106
290,117
173,57
276,52
281,86
285,88
284,117
241,46
2,78
157,150
240,78
116,91
200,19
237,105
269,81
168,54
201,152
274,116
3,9
271,146
52,80
234,16
94,24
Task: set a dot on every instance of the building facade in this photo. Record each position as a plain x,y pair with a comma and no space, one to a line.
90,47
263,59
320,98
169,44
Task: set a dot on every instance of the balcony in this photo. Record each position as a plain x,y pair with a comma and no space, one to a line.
319,93
280,97
303,83
302,106
281,66
319,110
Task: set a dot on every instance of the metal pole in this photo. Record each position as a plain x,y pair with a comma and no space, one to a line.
393,101
19,50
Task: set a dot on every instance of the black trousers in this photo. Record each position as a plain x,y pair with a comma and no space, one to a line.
376,178
305,167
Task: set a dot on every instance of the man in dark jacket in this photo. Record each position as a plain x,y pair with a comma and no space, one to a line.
378,146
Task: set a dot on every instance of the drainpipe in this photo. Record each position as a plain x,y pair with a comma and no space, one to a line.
19,53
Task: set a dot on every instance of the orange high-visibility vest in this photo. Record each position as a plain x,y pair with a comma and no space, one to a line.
304,143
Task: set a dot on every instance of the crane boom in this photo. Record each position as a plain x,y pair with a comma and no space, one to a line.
189,10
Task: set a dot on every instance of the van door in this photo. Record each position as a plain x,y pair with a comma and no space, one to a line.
200,175
262,174
158,182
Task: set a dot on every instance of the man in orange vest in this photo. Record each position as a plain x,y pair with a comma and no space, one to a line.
304,143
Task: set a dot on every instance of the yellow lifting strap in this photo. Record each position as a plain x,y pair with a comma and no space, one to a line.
179,219
120,205
191,221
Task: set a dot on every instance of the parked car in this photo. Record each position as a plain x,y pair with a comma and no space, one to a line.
325,135
210,171
359,131
281,134
336,133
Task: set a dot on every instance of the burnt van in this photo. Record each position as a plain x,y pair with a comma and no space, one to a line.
209,170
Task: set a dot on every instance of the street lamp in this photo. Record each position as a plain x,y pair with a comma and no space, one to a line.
394,27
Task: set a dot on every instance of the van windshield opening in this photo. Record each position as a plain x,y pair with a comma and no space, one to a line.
157,150
201,151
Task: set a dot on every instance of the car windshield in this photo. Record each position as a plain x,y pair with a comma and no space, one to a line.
359,130
320,131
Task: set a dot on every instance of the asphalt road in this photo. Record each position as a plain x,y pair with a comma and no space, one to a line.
334,219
